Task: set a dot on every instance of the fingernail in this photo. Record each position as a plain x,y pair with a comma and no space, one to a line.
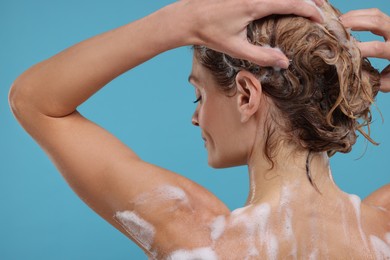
320,3
282,64
318,6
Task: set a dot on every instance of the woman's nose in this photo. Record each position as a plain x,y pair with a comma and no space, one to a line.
195,118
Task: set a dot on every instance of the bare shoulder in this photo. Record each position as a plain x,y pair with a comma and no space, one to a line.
379,202
171,219
380,198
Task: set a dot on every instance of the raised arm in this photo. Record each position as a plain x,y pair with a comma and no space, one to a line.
141,200
378,23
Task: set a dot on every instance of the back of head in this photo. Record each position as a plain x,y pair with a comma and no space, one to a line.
324,97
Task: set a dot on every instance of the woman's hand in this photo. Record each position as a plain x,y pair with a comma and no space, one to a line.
222,25
377,22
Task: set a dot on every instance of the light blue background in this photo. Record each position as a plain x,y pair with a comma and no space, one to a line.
40,217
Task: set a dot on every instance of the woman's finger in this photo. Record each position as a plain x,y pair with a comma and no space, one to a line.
304,8
262,56
379,25
362,12
377,22
319,3
385,79
375,49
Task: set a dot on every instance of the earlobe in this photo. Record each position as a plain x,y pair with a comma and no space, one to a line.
248,94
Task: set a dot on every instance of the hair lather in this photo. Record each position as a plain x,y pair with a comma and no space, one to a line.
324,96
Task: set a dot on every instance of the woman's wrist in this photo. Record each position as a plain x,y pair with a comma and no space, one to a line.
178,25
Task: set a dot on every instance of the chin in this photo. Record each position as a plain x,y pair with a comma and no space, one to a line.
221,163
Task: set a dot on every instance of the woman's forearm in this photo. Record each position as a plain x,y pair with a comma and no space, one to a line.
56,86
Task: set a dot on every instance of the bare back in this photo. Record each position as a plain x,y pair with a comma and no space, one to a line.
348,230
323,227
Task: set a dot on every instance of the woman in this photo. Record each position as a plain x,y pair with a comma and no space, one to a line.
294,208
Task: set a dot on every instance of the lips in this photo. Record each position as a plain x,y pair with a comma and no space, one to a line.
204,139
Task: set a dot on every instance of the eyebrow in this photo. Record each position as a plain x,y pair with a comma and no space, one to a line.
192,78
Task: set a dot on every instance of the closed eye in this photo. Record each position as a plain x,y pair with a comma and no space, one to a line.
198,99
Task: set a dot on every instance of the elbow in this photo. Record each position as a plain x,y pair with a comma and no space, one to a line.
30,98
20,100
14,99
17,99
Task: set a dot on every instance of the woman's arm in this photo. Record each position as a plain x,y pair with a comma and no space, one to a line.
105,173
378,23
73,75
380,198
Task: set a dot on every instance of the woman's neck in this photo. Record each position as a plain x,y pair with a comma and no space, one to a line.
268,184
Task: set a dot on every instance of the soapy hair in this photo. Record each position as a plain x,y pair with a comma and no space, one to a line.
323,98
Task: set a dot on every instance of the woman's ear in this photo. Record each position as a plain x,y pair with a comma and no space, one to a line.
249,93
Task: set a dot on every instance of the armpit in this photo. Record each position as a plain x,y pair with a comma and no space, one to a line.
167,219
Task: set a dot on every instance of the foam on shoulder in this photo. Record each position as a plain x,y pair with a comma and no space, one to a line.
142,231
381,249
195,254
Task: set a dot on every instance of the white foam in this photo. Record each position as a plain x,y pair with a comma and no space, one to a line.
232,69
356,202
285,196
315,234
172,193
165,192
255,222
276,68
288,228
262,213
344,220
387,237
289,232
252,182
203,253
238,214
272,247
382,250
313,255
217,227
252,252
276,49
311,2
142,231
286,214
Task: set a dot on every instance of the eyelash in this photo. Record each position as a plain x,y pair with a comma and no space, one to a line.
198,99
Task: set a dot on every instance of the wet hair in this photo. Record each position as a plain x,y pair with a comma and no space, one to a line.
323,98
